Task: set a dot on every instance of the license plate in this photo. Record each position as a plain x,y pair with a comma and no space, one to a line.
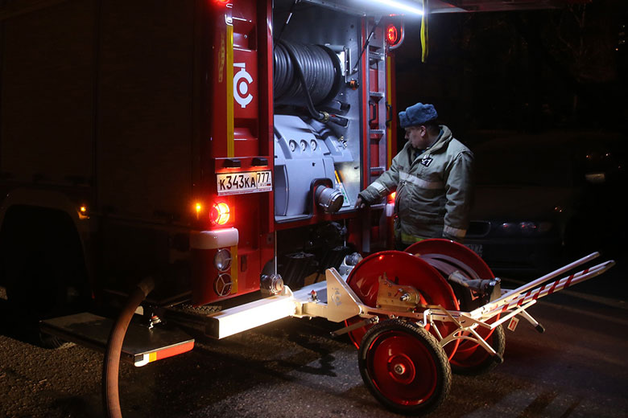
247,182
477,248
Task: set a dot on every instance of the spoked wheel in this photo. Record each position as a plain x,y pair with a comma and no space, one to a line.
471,359
404,367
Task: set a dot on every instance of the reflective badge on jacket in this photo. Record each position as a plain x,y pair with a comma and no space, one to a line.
427,161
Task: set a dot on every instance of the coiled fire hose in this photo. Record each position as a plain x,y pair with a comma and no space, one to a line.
307,75
111,362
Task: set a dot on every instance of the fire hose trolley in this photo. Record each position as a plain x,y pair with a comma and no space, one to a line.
415,316
427,311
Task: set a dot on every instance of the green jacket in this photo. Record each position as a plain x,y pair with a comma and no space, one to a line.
433,192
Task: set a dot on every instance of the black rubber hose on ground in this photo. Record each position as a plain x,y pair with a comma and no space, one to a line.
111,363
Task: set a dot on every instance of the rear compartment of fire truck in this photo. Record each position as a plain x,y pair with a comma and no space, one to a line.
330,139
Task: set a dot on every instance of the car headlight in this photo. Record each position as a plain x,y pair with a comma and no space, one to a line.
508,228
526,229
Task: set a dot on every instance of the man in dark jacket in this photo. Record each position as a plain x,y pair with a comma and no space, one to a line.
432,177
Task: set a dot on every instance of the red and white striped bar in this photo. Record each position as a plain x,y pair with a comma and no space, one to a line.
516,298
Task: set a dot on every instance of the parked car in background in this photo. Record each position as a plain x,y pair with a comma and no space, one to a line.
541,198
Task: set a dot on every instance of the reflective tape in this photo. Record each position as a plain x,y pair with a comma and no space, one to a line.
424,184
211,240
381,189
455,232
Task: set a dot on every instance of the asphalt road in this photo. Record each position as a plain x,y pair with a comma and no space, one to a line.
577,368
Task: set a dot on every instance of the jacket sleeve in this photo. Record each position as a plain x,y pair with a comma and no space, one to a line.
459,193
384,185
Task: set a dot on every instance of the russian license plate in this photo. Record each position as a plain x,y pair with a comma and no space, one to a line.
247,182
477,248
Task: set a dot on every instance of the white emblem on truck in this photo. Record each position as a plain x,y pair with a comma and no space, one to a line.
241,81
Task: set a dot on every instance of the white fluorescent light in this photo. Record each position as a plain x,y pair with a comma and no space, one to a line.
405,6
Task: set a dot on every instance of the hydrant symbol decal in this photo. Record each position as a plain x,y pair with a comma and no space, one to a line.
241,81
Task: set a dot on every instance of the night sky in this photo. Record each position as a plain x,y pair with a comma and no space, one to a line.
527,71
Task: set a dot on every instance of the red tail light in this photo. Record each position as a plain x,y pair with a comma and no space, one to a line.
394,34
220,213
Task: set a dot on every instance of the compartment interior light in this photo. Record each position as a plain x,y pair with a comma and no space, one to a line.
399,6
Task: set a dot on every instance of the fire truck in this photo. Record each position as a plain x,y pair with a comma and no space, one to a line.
176,167
215,146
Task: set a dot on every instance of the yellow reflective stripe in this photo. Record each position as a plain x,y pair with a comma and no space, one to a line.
229,80
234,269
411,238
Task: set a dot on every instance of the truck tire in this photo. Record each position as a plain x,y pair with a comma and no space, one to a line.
43,271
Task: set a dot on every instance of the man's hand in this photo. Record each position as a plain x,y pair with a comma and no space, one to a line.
360,203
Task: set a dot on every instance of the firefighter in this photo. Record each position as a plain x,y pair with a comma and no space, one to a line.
432,177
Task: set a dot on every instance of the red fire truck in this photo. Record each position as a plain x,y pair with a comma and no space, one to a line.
199,161
214,146
176,140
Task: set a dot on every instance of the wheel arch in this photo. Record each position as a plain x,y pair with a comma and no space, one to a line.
25,209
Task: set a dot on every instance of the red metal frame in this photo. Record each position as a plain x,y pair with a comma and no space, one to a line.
237,137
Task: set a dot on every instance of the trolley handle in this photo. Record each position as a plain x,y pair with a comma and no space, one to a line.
517,297
547,277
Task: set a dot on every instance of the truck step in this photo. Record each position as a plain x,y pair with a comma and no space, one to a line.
141,344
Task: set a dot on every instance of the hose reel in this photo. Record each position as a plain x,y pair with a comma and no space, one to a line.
307,75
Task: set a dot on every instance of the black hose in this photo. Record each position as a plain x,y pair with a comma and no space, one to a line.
111,363
305,74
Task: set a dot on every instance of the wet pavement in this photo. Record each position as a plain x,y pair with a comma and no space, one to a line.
577,368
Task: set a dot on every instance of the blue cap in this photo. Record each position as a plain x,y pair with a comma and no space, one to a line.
417,114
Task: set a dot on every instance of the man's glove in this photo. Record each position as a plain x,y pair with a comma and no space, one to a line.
360,203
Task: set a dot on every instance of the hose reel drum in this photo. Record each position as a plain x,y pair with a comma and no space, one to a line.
319,66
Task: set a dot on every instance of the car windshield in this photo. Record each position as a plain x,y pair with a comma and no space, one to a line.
524,167
528,161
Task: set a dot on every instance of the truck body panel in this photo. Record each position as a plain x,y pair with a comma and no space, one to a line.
141,120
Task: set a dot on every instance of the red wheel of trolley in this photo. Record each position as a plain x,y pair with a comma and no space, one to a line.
446,256
471,359
404,367
403,269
